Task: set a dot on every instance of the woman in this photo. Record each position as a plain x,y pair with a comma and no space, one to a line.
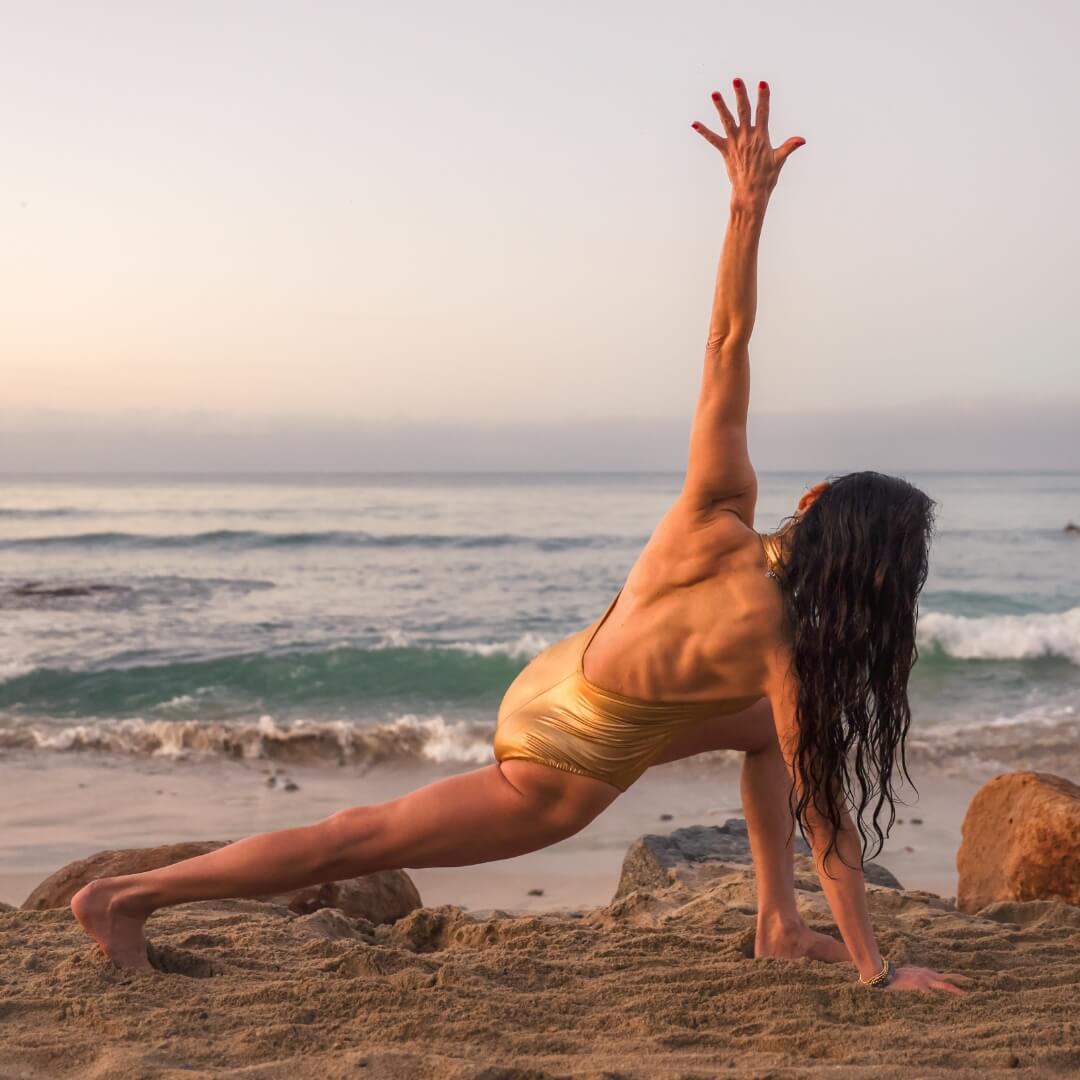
794,648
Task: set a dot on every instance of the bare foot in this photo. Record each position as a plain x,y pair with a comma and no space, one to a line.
792,942
100,909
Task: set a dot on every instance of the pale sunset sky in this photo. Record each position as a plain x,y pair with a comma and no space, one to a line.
381,235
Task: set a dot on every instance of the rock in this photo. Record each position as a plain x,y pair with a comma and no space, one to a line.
6,907
58,888
1020,841
691,856
1072,527
381,897
536,892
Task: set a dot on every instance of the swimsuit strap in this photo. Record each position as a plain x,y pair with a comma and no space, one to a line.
596,630
771,547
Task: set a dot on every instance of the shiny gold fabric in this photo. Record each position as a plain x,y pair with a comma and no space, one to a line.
553,715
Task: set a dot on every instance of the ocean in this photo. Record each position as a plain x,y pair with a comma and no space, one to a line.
375,619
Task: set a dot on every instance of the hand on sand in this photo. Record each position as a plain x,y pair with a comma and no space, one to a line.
752,163
924,981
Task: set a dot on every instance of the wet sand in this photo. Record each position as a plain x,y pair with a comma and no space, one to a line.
57,808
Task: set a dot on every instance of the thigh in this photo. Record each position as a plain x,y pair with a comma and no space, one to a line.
749,730
491,813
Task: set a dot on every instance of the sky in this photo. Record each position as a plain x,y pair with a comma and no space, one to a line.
349,235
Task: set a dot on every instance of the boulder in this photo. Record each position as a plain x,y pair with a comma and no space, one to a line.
380,897
6,907
1020,841
692,856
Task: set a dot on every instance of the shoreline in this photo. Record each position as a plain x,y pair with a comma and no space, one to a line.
58,809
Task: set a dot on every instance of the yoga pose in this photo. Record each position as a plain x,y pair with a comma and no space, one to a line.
794,648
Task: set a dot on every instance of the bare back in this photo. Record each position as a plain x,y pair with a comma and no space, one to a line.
697,620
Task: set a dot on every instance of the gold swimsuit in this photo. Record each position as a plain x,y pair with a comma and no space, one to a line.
552,714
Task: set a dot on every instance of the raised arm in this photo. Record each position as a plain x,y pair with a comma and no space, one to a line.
840,869
719,472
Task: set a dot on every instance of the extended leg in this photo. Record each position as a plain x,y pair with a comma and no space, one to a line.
492,813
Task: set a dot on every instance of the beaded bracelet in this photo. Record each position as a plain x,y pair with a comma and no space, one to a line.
882,978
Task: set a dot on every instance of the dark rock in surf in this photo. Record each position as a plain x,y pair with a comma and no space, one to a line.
381,897
1073,528
686,856
61,592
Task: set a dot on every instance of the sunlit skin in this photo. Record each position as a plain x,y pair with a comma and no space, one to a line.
697,619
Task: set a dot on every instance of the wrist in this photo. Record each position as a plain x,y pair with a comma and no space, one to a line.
748,205
868,966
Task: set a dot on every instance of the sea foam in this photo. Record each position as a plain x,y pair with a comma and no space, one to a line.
1004,637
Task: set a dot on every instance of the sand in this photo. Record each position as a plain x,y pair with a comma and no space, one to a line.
58,808
656,985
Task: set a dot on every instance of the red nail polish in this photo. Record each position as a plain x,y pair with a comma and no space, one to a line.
738,84
763,85
695,125
716,95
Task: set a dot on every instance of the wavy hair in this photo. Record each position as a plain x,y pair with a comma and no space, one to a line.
854,564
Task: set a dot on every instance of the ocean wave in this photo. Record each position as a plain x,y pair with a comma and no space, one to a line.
344,677
1003,637
524,647
409,737
248,539
16,513
1040,737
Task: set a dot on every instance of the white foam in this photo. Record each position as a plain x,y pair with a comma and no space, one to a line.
405,737
1004,637
12,669
525,647
449,742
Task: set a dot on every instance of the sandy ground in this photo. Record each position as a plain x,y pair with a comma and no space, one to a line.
57,808
657,985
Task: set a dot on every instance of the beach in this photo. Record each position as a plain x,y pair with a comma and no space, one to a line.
656,984
58,811
205,658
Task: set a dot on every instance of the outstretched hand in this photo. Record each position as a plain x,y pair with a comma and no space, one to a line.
753,164
925,981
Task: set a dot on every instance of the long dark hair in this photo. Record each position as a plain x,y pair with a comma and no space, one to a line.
854,564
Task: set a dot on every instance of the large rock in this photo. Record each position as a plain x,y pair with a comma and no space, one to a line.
1020,841
380,897
689,856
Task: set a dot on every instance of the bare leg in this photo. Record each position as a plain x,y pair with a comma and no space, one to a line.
491,813
765,786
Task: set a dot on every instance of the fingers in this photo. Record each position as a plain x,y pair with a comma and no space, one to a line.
956,977
948,987
709,136
785,150
725,113
763,105
742,101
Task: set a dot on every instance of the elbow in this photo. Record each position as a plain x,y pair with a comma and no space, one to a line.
729,346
